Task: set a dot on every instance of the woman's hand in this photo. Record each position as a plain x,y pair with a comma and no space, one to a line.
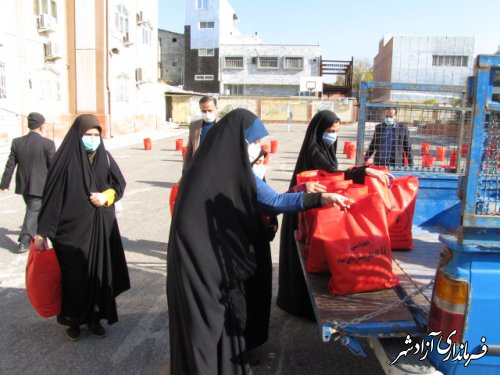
381,175
40,243
98,199
333,199
315,187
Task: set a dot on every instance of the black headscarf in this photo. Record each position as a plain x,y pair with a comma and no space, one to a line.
313,143
86,238
215,232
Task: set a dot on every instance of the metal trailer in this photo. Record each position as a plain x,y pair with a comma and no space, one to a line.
442,288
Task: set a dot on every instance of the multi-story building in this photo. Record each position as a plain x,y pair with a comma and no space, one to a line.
171,52
64,58
218,59
423,60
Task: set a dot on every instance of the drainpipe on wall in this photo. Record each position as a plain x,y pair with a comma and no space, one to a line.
107,71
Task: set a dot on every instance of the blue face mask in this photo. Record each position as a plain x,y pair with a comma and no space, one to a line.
91,142
389,121
329,138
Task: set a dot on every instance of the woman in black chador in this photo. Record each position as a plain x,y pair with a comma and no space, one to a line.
219,263
317,152
78,216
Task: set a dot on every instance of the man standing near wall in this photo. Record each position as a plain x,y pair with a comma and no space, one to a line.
32,155
199,129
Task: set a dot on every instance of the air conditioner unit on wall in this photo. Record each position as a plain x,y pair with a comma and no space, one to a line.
126,40
51,50
138,75
140,18
45,22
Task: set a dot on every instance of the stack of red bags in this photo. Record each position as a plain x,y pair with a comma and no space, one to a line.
356,245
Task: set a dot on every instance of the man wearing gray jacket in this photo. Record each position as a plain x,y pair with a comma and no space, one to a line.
32,154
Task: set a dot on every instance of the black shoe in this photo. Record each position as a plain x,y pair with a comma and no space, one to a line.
97,329
23,247
73,333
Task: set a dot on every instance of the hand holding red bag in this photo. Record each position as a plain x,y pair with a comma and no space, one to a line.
43,281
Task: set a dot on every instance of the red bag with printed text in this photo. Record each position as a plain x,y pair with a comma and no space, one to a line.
399,199
173,196
316,258
323,178
357,246
43,281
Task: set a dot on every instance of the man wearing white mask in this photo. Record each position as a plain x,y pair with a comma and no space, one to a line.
198,129
390,142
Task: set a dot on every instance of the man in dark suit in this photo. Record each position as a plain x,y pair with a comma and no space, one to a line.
32,155
199,128
390,142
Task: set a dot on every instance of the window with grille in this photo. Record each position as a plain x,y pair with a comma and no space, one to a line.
49,89
121,19
3,85
294,63
48,7
202,4
441,60
207,24
268,63
236,90
122,88
146,34
233,62
204,77
206,52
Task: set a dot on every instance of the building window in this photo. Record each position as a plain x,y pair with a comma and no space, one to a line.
206,52
268,63
233,62
121,19
441,60
146,34
207,24
235,90
49,89
174,40
48,7
3,84
204,77
202,4
294,63
174,64
122,88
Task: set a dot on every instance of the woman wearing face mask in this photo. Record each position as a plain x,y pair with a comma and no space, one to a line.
317,152
78,216
218,258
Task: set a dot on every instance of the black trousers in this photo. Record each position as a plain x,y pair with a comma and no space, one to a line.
33,205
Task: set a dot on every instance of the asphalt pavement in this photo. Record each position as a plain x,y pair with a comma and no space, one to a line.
138,343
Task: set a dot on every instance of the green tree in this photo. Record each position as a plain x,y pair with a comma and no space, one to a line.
362,71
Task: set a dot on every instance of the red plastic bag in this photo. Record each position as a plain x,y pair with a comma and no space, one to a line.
332,181
357,246
43,281
316,258
399,199
173,196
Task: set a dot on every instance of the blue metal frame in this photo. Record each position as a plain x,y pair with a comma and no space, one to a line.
478,228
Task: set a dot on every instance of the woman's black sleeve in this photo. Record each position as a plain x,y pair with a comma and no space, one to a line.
311,200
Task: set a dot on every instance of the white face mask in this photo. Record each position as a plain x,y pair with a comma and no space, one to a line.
259,170
389,121
253,151
209,116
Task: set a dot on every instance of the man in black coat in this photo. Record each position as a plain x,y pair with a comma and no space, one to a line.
32,154
390,142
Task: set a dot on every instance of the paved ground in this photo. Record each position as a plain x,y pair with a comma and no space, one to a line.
138,343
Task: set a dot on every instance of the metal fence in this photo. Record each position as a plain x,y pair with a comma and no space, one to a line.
430,135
